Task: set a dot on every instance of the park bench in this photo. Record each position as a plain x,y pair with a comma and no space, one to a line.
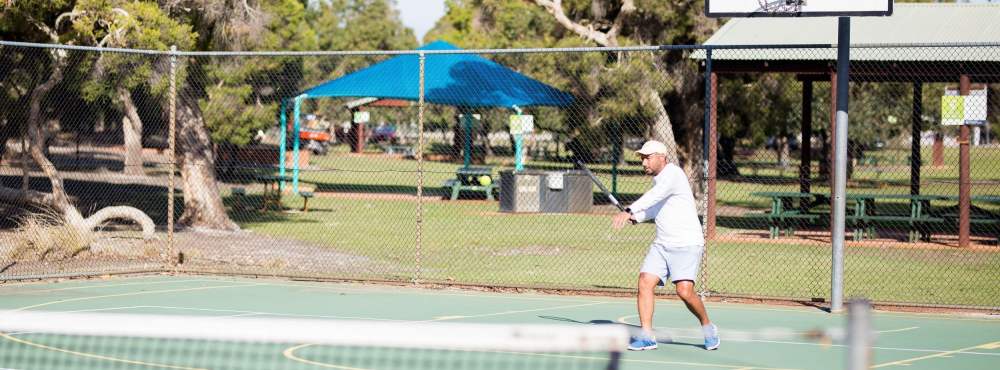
401,150
785,215
467,179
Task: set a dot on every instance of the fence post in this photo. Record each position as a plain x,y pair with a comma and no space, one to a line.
171,146
840,159
420,166
708,187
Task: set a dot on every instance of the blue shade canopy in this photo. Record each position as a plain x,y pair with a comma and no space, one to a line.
452,79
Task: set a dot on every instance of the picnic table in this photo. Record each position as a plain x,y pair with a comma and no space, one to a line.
785,214
468,179
272,190
869,212
868,216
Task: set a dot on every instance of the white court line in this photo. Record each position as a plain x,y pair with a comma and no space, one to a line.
130,294
276,314
624,319
360,287
111,285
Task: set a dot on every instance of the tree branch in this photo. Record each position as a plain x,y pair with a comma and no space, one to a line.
628,7
554,7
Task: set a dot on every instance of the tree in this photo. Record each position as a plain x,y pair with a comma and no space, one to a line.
135,25
31,17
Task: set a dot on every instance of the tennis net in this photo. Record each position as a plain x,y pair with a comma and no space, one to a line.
50,340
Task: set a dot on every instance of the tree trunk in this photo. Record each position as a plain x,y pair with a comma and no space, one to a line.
660,129
784,151
6,132
36,135
203,206
726,167
132,132
937,152
100,124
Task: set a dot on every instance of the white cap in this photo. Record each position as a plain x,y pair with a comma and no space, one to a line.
652,147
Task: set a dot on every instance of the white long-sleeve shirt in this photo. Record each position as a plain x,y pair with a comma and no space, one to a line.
671,203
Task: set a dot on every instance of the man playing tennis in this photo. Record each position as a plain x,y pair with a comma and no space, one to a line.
676,251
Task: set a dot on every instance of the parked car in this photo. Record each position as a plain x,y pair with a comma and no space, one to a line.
383,133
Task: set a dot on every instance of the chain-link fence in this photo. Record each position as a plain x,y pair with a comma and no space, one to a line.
416,166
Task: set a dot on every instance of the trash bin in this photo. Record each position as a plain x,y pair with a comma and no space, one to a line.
567,192
520,191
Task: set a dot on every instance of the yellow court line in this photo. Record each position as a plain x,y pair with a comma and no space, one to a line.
290,353
942,354
95,356
131,294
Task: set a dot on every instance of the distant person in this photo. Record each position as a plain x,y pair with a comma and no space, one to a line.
675,253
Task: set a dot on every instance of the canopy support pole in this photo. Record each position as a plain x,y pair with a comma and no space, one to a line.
467,145
295,143
282,146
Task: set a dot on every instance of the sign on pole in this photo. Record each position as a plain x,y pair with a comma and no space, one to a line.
522,124
362,117
963,110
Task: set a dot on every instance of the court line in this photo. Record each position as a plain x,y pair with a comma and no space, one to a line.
109,285
360,287
624,320
96,356
130,294
661,362
289,353
416,290
456,317
246,313
915,359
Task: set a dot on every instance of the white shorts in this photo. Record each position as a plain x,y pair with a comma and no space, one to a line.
675,263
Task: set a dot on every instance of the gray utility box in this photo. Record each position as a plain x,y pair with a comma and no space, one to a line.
567,192
547,192
521,191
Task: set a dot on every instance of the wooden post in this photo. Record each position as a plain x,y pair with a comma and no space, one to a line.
964,181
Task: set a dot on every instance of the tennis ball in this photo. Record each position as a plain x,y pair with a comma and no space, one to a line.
485,180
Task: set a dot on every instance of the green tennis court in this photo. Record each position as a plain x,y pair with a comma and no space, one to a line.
905,340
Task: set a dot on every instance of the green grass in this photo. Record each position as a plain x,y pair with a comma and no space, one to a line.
470,242
383,174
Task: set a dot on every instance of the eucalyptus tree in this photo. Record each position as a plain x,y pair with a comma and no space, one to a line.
53,22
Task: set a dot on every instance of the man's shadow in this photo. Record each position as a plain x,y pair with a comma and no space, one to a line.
632,329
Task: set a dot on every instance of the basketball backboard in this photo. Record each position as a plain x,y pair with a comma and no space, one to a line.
796,8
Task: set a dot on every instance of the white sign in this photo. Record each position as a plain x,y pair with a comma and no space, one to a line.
362,117
963,110
522,124
798,8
